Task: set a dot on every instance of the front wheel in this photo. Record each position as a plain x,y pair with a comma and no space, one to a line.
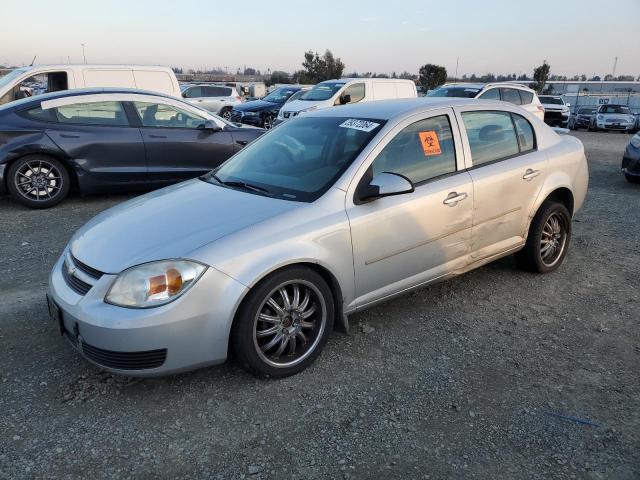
284,323
548,239
267,124
38,181
226,114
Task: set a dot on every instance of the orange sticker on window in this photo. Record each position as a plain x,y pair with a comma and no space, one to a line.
430,143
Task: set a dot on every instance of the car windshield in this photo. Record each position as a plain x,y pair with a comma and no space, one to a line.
586,111
322,91
463,92
615,109
296,95
279,95
551,100
299,160
9,77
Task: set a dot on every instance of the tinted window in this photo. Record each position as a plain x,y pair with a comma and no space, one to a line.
356,91
99,113
166,116
615,109
527,97
302,158
491,94
421,151
525,133
551,100
216,92
193,92
491,136
463,92
511,95
48,115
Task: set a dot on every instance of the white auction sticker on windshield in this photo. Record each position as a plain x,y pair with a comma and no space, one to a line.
364,125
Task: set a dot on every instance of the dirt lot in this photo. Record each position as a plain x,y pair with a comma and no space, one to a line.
465,379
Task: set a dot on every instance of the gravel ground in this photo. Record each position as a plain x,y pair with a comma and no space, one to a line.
469,378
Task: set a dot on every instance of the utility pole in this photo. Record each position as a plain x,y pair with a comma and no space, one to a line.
455,78
83,54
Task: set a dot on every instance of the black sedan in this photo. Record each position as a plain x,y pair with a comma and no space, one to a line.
106,140
263,112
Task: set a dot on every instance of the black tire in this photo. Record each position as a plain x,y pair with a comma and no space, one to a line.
253,355
226,113
267,123
48,185
632,178
531,258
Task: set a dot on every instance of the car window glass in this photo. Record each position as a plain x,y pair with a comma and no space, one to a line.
491,136
48,115
193,92
527,97
511,95
166,116
525,133
356,91
421,151
216,92
98,113
491,94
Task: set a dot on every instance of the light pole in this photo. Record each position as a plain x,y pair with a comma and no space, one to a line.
83,54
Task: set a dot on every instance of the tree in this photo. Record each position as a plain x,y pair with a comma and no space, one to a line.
432,76
540,76
249,71
279,76
318,68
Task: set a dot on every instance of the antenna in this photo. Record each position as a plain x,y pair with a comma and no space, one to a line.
33,61
615,64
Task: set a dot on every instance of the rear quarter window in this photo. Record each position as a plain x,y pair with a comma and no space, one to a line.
527,97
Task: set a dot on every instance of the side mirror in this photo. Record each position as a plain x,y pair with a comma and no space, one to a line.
344,99
568,104
211,126
184,95
386,184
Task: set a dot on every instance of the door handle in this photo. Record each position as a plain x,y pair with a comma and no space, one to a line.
530,174
242,142
157,136
453,198
66,135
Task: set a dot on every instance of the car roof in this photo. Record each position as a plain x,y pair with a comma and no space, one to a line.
25,102
388,109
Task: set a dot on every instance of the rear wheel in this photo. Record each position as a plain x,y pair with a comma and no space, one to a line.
284,323
38,181
226,113
268,122
548,239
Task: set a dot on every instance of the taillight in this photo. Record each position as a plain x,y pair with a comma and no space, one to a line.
239,98
541,108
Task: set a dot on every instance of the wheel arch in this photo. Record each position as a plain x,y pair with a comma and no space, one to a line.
73,175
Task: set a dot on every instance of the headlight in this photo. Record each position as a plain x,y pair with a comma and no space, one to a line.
600,117
635,140
250,114
153,284
631,120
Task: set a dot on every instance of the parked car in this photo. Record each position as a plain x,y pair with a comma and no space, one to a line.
631,160
104,140
218,99
262,113
323,216
556,111
345,91
581,118
507,92
70,77
613,117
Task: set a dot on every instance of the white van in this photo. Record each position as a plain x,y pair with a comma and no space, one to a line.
36,79
348,90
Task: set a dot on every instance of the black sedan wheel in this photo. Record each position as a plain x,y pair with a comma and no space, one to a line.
284,323
226,114
38,181
268,122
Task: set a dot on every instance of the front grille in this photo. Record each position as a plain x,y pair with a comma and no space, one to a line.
92,272
551,114
125,360
286,114
74,282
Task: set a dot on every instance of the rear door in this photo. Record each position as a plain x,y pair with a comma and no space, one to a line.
507,171
177,145
97,135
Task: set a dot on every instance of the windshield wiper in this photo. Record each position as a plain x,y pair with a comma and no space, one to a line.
245,185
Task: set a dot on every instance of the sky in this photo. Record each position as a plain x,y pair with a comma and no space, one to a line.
489,36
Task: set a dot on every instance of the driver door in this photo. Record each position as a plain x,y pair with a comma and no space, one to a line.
176,144
405,240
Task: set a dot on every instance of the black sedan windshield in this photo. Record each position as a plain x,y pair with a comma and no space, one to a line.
279,95
300,159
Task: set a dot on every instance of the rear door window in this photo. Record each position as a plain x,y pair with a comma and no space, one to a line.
527,97
511,95
491,136
216,92
160,115
193,92
491,94
97,113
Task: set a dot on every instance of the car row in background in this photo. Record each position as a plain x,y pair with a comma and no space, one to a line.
105,140
218,99
581,118
556,111
515,93
263,112
618,118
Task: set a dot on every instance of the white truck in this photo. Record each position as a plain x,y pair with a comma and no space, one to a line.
53,78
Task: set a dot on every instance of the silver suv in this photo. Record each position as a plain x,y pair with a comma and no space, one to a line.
218,99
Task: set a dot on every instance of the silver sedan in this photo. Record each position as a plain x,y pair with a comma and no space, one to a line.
323,216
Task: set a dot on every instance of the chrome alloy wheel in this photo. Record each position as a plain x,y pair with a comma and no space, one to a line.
554,239
290,323
268,122
38,180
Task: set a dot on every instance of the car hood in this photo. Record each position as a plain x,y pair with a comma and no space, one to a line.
554,107
299,105
169,223
256,106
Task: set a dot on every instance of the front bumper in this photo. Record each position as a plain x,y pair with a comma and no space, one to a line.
240,117
188,333
618,127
